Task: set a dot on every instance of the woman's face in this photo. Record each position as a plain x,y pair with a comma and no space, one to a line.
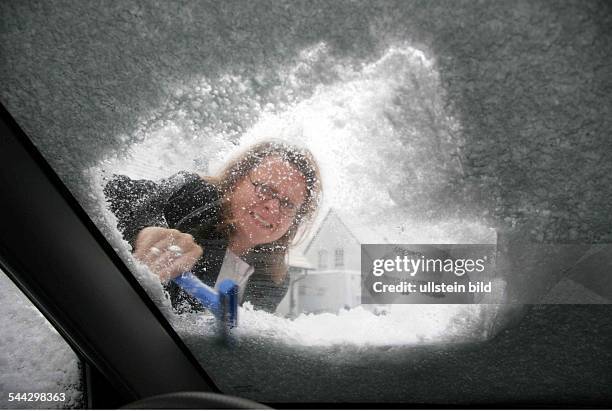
264,203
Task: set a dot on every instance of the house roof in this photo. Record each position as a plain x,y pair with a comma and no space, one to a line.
362,233
297,259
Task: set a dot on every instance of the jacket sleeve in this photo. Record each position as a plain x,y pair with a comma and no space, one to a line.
141,203
195,205
184,202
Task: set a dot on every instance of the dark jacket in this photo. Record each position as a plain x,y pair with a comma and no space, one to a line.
191,205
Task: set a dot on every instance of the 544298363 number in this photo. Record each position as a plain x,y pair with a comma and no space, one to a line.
36,396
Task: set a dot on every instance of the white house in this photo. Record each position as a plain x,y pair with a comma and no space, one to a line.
325,269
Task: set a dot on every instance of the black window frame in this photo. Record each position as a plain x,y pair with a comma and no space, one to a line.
39,214
339,257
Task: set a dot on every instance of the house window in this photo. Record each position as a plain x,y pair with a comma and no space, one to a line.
322,259
339,258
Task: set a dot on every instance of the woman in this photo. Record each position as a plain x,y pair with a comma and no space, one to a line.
237,226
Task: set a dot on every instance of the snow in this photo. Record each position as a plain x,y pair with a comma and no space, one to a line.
321,357
400,325
350,127
350,124
34,357
355,128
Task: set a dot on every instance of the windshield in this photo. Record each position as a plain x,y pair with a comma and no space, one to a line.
288,159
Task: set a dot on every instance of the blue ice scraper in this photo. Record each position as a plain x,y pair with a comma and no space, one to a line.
223,303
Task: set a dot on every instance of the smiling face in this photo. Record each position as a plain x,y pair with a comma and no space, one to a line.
264,203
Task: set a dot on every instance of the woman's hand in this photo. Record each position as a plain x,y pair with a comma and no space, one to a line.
167,252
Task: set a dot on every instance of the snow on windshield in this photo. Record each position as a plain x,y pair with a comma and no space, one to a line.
388,147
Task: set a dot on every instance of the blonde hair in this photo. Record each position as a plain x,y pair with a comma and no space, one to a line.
271,256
